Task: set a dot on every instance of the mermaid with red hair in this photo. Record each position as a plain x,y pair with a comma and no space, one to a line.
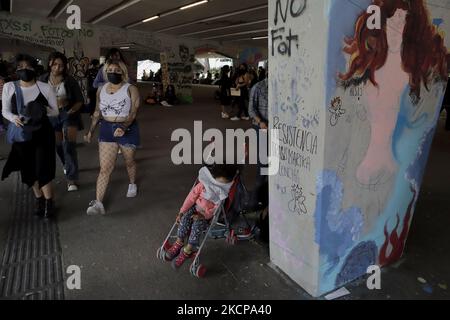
406,52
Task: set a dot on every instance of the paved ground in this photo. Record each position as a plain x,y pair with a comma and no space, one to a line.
117,253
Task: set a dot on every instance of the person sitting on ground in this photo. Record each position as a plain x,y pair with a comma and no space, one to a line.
196,79
155,96
151,99
170,98
199,208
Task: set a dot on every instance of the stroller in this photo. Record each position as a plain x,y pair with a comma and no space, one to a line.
222,226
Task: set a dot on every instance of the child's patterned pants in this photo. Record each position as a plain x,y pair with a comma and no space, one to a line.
196,227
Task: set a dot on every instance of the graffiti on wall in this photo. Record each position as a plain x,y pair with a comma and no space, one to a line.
283,39
78,66
296,149
297,202
42,33
177,71
336,111
251,56
298,121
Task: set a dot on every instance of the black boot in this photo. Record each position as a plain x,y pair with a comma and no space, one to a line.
49,211
39,207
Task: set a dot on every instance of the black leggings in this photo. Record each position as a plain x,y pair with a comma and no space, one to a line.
243,108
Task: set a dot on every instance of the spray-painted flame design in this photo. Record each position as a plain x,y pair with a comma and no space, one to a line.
397,242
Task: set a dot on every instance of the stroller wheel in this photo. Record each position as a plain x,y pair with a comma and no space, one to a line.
199,271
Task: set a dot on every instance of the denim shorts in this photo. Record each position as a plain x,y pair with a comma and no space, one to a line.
131,139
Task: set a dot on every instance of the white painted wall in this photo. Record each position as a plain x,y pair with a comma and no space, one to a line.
296,108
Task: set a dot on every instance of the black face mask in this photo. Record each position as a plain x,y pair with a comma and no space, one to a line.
26,75
115,78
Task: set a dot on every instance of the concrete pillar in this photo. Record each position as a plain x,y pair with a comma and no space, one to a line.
177,70
356,116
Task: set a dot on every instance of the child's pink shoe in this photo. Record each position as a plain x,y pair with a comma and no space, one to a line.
182,257
173,251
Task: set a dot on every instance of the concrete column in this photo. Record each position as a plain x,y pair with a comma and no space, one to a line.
177,70
357,116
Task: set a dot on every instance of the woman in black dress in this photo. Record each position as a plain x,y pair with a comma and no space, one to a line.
36,157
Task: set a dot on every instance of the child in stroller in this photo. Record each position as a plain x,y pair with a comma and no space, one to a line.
199,208
205,205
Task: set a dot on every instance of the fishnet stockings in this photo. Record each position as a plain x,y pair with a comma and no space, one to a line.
128,154
108,157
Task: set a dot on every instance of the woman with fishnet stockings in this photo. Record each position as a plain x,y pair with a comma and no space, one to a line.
117,106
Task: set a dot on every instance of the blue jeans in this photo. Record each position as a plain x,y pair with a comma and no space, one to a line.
67,151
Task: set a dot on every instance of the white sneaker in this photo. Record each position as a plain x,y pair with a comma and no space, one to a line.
245,118
132,191
65,172
72,188
96,208
235,119
166,104
225,116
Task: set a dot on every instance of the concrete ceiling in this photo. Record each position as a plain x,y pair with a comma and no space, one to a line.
188,23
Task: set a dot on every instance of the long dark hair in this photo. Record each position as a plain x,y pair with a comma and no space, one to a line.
31,61
424,55
227,171
54,56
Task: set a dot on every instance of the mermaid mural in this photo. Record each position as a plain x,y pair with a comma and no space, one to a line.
389,81
407,52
